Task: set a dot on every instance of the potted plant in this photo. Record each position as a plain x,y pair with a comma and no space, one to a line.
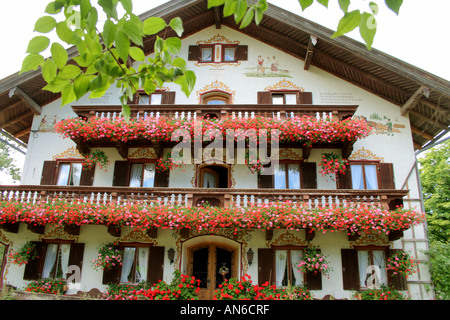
109,257
401,264
332,164
25,254
314,261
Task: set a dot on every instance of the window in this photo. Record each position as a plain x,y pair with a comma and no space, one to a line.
142,175
135,264
364,176
286,271
69,174
284,98
156,98
216,97
218,53
56,261
367,274
287,176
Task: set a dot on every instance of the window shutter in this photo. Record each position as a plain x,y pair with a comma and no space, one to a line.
120,178
344,181
305,98
33,267
156,265
308,175
265,265
87,176
265,181
48,173
194,53
313,281
397,282
386,174
76,255
168,97
161,179
350,271
242,53
264,97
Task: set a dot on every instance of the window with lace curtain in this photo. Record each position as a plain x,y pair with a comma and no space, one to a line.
135,264
286,271
69,174
371,264
56,261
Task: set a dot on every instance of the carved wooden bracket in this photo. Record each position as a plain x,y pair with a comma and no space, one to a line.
36,228
122,148
115,231
152,233
395,235
269,234
72,229
10,227
185,233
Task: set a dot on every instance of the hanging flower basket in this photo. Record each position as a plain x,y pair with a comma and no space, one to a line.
332,164
401,264
314,261
109,257
25,254
165,163
96,157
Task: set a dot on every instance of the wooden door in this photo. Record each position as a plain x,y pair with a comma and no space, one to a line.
205,263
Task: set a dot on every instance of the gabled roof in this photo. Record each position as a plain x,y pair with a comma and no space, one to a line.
422,95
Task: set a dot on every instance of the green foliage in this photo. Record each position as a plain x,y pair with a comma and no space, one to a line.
440,269
6,162
383,293
104,57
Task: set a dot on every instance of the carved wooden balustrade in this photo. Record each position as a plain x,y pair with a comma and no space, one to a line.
388,199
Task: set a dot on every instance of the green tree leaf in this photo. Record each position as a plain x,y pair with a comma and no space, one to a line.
368,28
68,95
137,54
323,2
122,44
109,32
248,18
49,70
241,9
305,3
54,7
344,4
215,3
81,85
394,5
177,25
45,24
38,44
109,7
59,55
229,7
134,30
127,5
57,85
64,32
69,72
31,62
85,8
173,45
153,25
348,22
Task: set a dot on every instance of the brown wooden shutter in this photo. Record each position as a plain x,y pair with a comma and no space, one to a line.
48,173
162,179
120,178
344,181
156,265
194,53
350,271
397,281
386,174
305,98
168,97
87,176
76,255
265,265
313,281
242,53
308,175
33,267
264,97
265,181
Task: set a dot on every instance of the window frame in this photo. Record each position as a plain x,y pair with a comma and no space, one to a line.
364,163
284,93
290,275
286,174
143,162
59,242
134,245
214,49
370,249
59,163
137,100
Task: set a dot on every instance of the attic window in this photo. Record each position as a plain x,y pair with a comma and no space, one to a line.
218,53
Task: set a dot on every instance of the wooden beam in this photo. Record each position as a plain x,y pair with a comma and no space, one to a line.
218,17
310,51
413,100
30,102
22,133
422,133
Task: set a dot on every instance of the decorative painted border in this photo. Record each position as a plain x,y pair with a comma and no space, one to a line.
364,154
284,84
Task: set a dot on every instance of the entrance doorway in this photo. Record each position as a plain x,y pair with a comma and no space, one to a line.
212,264
214,176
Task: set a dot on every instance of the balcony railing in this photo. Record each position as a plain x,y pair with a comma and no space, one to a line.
230,110
312,198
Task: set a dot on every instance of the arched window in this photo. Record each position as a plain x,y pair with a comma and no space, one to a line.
216,97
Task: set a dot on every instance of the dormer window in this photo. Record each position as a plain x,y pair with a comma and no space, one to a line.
218,53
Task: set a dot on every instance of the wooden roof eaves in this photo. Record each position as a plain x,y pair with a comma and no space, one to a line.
375,56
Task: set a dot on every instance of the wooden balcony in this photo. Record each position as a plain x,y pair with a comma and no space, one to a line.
312,198
225,110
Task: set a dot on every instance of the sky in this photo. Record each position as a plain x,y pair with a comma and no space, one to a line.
419,35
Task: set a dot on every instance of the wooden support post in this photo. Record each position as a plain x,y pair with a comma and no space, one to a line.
412,101
31,104
310,51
